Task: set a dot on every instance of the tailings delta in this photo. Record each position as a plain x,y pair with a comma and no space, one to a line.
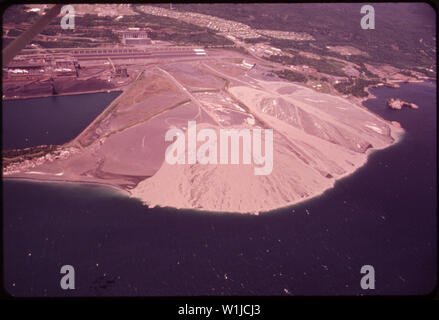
383,215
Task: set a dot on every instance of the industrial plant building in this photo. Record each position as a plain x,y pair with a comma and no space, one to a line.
36,67
135,37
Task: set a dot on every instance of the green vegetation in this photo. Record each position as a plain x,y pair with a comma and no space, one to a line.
179,32
321,65
17,14
162,28
82,32
50,31
12,153
355,86
240,50
366,72
404,39
395,41
206,38
88,20
291,75
82,43
14,33
406,73
426,72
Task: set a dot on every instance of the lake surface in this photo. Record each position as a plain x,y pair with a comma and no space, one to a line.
384,215
52,120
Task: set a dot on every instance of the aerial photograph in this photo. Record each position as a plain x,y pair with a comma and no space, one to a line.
219,149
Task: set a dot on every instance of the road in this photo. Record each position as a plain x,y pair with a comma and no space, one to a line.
190,95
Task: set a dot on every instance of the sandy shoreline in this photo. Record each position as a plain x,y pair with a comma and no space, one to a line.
46,178
397,137
395,133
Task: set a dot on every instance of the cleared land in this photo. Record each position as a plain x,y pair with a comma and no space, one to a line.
318,138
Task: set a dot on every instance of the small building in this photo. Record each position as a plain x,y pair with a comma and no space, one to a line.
24,70
121,72
64,66
135,37
40,66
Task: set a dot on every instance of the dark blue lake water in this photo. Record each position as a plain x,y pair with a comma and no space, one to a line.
52,120
384,215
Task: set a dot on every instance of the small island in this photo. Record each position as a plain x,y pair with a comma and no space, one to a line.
398,104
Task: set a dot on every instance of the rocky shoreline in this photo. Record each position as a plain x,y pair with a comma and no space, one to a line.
398,104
